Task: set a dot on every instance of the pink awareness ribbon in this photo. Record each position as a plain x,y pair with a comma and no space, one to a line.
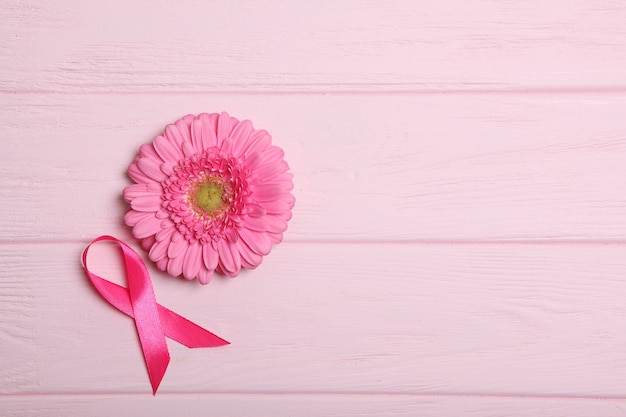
152,320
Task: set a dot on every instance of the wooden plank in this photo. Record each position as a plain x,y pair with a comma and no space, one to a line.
518,320
315,405
354,45
414,167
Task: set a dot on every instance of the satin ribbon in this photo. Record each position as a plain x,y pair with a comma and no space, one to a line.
152,320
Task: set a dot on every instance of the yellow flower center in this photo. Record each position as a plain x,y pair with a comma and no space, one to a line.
209,196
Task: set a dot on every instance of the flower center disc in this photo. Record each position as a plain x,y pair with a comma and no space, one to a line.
208,196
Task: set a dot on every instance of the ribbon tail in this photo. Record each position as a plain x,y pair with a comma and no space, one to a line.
147,321
151,339
156,363
186,332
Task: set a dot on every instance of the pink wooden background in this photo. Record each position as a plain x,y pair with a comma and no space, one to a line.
458,246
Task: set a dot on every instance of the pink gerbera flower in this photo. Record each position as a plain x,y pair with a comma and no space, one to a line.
211,194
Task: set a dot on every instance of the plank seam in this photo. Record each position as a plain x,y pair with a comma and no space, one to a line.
320,394
298,90
442,242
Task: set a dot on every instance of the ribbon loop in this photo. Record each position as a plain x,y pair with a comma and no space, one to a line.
152,320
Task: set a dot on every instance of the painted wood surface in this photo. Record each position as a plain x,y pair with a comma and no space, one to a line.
363,45
512,167
314,405
458,244
339,318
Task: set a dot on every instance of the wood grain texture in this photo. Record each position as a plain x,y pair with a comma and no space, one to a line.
315,405
463,167
458,242
519,320
364,45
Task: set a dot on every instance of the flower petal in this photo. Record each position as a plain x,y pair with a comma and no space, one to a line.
210,256
227,145
162,214
242,132
162,263
268,192
159,250
276,224
148,202
204,276
147,243
196,134
167,168
166,150
175,265
193,260
177,247
146,227
267,171
259,242
154,187
188,149
147,151
209,135
152,168
189,118
174,136
275,238
255,210
258,142
223,128
249,259
238,138
136,190
184,127
165,233
273,154
276,206
230,259
132,217
136,175
258,224
283,180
